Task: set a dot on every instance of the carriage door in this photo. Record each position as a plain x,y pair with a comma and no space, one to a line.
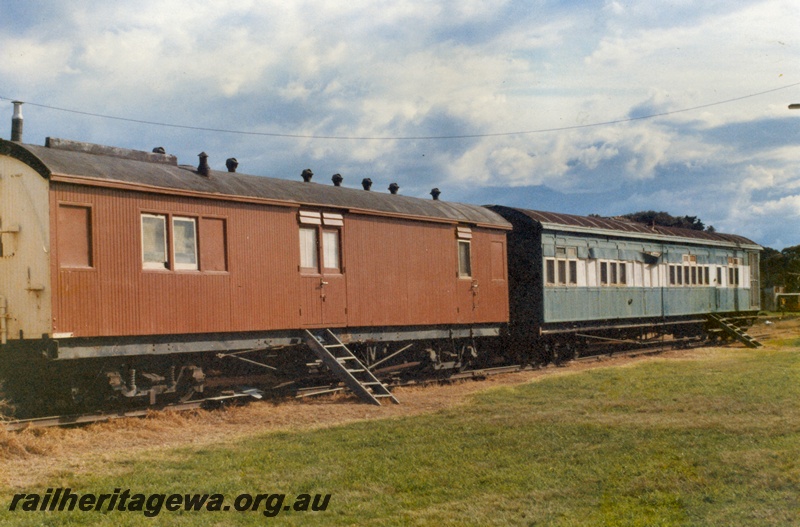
467,287
755,282
323,299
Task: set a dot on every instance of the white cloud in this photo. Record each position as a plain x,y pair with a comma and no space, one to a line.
414,68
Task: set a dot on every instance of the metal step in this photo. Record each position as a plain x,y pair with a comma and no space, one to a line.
734,331
355,375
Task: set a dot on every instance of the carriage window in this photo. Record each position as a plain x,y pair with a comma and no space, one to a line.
309,257
604,273
330,250
464,263
550,270
623,273
733,276
154,241
562,272
184,243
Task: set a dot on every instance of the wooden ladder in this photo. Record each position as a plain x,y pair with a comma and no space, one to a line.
734,331
347,367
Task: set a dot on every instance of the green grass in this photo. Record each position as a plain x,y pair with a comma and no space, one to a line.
713,441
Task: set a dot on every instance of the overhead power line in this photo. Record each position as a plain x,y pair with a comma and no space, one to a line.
408,138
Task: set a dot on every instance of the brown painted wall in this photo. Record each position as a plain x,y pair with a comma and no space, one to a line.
396,272
406,271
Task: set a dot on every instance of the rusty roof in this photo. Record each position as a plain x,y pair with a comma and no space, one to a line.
161,173
623,226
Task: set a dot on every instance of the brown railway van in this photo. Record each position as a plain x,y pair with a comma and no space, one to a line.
109,252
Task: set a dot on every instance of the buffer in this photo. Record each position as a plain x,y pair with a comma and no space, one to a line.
734,331
347,367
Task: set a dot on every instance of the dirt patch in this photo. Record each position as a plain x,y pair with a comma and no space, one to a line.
38,456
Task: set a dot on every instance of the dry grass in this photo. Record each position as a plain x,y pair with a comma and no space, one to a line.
33,456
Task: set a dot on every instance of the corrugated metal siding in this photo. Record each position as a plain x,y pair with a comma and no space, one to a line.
405,273
118,297
399,272
489,270
396,272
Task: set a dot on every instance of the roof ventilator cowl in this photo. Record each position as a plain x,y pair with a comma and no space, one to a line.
307,174
203,168
393,188
337,180
435,193
366,183
231,163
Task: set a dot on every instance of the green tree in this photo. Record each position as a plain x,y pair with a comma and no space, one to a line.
665,219
781,268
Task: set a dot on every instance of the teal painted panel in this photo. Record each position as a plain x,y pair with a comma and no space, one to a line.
689,300
566,304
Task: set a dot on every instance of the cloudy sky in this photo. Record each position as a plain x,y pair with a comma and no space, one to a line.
603,107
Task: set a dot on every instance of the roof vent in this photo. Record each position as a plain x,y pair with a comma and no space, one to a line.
231,163
203,169
159,150
16,122
393,188
435,193
366,183
337,180
307,174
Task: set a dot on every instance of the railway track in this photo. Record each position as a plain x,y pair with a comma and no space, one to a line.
83,419
247,395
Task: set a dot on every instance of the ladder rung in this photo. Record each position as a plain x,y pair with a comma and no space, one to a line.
357,377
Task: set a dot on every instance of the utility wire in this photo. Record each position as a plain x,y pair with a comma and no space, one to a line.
410,138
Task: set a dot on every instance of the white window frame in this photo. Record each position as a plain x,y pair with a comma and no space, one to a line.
331,250
151,263
309,253
191,265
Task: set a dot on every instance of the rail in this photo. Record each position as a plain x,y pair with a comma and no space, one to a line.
83,419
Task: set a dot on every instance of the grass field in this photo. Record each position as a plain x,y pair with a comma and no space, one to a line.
710,439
